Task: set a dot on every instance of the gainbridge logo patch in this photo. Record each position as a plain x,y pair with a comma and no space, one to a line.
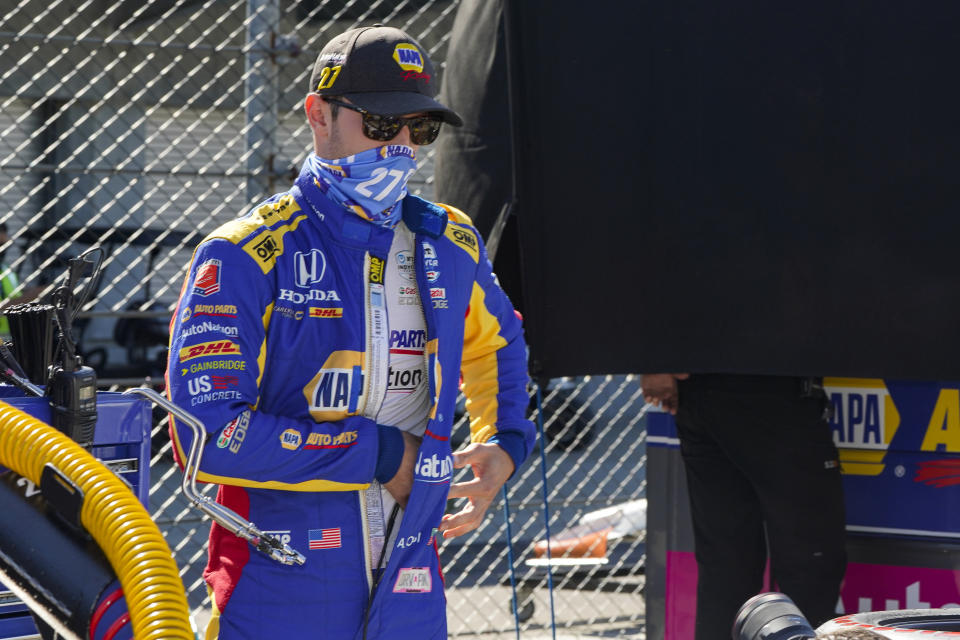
864,421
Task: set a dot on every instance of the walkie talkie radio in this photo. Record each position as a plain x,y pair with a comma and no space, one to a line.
72,386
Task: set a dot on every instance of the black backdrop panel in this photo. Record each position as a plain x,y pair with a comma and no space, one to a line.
764,187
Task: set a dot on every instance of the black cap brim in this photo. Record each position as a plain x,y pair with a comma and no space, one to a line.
400,103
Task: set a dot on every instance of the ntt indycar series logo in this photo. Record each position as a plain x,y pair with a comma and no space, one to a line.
434,469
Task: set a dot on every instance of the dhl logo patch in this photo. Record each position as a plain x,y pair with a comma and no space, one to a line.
326,312
214,348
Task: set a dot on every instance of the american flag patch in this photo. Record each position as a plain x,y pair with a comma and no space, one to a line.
324,538
224,382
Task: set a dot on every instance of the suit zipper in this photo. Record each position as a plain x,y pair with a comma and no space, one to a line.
375,366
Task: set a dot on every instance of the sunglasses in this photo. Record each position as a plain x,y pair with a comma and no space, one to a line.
423,129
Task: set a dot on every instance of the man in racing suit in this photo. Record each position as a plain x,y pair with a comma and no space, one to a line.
321,339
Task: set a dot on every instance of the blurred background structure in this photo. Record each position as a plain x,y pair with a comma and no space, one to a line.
141,127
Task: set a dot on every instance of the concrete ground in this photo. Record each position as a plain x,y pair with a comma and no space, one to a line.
484,613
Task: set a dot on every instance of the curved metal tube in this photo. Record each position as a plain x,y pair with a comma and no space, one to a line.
115,519
225,517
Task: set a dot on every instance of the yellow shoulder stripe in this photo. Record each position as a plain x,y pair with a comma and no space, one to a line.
264,216
265,246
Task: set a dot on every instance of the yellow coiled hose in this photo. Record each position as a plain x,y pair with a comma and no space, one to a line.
114,517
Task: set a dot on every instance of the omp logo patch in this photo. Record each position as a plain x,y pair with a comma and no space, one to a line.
266,247
334,392
466,239
215,348
408,57
376,270
290,439
268,244
324,312
207,281
864,421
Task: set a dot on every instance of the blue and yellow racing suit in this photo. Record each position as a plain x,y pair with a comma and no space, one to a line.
277,346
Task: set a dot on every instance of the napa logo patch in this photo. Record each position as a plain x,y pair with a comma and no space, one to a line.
408,57
334,391
863,420
290,439
397,150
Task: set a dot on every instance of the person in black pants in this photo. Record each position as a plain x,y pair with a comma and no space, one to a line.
763,476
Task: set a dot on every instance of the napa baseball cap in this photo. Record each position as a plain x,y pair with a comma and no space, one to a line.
380,69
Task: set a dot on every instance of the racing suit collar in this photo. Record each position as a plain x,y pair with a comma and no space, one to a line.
419,215
345,224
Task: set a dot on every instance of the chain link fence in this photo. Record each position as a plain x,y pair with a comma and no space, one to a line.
141,126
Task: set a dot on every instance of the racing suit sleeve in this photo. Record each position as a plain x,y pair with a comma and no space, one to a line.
215,370
494,366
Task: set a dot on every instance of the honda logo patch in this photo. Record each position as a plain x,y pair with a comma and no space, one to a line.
310,267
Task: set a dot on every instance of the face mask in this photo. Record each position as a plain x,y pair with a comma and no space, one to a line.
370,183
